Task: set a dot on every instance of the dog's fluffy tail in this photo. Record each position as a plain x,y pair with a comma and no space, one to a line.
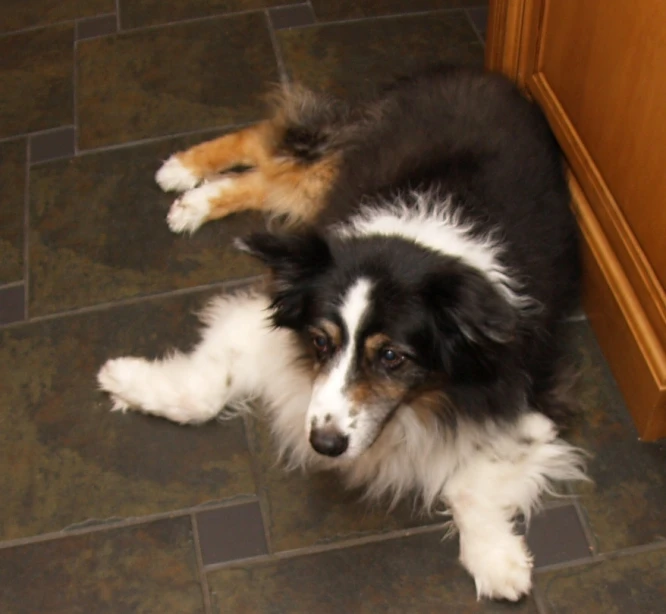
309,126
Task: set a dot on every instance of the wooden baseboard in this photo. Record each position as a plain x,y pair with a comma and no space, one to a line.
622,328
623,301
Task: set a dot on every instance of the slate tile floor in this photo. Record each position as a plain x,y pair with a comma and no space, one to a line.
104,512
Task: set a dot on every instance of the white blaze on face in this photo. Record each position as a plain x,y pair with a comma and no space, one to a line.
329,404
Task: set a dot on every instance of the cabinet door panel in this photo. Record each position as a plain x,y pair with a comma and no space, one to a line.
600,58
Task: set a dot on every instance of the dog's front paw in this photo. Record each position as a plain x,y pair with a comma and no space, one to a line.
174,176
501,570
118,377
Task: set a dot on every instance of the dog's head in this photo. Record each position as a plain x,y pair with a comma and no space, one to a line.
388,323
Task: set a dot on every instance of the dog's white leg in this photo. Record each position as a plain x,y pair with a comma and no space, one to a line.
496,557
240,356
504,477
181,387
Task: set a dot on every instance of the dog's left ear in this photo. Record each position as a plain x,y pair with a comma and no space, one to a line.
296,260
463,297
473,323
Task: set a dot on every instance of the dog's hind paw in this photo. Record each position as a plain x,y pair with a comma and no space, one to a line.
193,208
174,176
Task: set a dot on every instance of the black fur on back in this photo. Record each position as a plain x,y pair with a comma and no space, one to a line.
450,132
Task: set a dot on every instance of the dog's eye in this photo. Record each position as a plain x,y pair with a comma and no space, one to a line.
321,343
390,358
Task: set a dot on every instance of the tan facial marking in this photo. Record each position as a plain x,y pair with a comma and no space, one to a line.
429,403
372,389
332,330
374,343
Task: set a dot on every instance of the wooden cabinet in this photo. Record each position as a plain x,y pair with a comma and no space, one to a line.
598,69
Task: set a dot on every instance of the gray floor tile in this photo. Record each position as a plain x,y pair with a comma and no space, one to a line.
173,79
138,570
96,26
141,13
36,80
98,232
417,574
231,533
66,460
633,584
351,59
12,303
12,209
555,535
327,10
18,14
626,500
292,16
52,145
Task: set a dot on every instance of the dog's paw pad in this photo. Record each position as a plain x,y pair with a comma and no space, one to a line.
174,176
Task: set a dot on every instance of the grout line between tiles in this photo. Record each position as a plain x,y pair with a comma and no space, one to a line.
82,19
75,106
587,529
539,599
476,30
277,52
632,550
217,16
26,234
121,523
259,485
314,13
11,284
190,20
329,547
605,556
203,578
564,500
339,22
162,137
42,132
223,286
97,16
42,26
29,135
15,137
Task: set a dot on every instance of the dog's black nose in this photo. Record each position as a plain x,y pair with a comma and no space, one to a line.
328,441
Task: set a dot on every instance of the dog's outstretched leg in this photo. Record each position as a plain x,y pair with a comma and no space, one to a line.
282,166
498,482
249,147
240,357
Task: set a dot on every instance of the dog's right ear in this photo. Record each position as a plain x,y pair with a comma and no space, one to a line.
295,260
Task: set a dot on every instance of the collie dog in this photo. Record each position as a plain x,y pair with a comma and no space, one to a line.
409,335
